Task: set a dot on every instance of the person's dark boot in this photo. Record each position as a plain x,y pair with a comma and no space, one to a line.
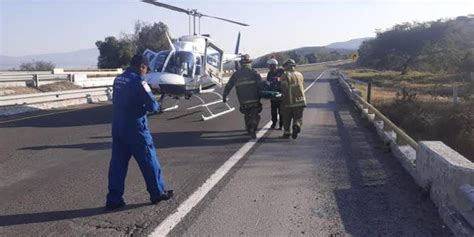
296,130
167,195
114,206
273,125
253,134
285,136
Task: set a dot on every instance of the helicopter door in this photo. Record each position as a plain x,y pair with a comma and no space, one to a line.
213,57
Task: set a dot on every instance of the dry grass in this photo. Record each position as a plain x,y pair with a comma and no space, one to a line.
421,104
379,95
22,90
59,86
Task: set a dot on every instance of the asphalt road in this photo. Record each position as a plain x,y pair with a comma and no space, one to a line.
336,179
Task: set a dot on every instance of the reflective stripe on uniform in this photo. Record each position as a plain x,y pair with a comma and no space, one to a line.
249,101
245,82
300,104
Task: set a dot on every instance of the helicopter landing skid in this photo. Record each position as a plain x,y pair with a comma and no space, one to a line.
206,105
176,106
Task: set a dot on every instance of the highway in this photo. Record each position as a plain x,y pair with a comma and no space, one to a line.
336,179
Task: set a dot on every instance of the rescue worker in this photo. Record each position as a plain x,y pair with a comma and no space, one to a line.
247,84
294,100
273,78
130,135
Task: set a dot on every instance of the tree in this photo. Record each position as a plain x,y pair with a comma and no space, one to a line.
37,66
115,53
468,62
313,58
436,46
151,37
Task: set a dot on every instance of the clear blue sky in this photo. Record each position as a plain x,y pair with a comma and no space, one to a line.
51,26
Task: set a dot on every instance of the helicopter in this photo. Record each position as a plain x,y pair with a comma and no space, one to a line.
193,65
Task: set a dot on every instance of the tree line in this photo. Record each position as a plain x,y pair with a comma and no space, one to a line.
445,45
117,52
305,55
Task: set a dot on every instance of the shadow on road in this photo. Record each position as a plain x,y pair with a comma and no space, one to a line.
162,140
83,117
382,199
21,219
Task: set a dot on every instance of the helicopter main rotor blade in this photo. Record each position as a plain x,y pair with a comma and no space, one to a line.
170,7
223,19
190,12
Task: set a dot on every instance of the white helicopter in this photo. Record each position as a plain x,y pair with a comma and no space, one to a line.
192,66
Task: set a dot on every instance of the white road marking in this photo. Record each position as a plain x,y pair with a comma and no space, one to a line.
167,225
312,83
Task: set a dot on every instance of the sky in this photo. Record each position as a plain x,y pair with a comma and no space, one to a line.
53,26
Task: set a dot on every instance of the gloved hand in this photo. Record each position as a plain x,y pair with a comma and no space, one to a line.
224,100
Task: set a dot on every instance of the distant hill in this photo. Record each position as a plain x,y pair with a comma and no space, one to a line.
350,44
86,58
314,54
305,55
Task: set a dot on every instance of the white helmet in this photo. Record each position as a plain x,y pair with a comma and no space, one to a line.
272,61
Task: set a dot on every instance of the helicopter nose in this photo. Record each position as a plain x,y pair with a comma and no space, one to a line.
171,79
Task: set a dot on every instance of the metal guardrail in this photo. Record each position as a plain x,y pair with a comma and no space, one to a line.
33,78
13,100
23,72
91,70
402,138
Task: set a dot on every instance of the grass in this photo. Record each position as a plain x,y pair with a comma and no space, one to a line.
59,86
421,104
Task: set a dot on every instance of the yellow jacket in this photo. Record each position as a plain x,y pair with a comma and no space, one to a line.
292,88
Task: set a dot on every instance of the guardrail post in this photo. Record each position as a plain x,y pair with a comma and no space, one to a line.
369,91
35,80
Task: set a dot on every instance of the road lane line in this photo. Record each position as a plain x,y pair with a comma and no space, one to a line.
168,224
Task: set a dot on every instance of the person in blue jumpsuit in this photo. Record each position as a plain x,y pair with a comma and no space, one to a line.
132,99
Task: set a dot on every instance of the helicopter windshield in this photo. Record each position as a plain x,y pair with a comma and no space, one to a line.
160,60
181,63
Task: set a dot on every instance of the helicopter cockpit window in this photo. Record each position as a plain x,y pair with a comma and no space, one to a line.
213,57
181,63
160,60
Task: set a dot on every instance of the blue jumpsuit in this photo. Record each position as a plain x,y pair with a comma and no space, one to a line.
130,136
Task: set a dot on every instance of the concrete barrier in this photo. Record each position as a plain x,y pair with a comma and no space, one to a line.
84,81
444,173
449,177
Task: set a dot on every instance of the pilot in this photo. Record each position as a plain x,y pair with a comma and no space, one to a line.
273,78
247,84
130,135
294,101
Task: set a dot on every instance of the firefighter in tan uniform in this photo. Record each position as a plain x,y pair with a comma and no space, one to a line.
294,100
247,84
